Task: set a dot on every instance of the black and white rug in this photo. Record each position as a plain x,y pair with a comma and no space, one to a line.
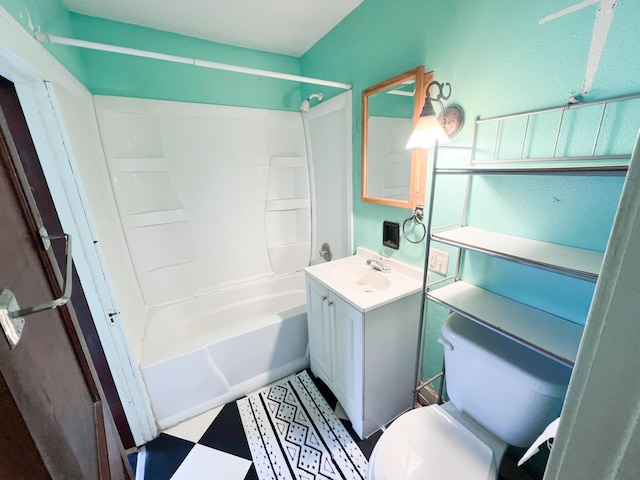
294,434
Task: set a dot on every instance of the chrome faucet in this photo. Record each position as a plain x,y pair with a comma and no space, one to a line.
380,264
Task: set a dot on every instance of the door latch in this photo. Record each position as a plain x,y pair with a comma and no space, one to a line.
12,316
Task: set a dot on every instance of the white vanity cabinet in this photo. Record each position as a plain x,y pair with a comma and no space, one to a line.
365,355
319,309
335,345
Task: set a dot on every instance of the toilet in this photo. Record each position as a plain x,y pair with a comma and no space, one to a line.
501,393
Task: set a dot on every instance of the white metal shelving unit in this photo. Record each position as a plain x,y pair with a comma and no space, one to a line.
577,262
551,335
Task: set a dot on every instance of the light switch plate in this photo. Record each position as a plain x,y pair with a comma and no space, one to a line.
438,261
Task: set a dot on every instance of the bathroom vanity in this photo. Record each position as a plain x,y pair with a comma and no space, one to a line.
363,335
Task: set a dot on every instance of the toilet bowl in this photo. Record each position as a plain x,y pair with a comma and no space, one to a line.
501,393
435,442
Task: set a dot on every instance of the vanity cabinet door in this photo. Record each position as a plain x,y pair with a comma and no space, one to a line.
319,321
336,348
347,323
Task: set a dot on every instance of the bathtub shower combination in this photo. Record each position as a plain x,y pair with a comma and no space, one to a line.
215,204
260,336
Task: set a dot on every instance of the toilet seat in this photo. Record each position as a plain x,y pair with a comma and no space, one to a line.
430,443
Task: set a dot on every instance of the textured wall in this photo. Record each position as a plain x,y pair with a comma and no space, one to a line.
115,74
500,57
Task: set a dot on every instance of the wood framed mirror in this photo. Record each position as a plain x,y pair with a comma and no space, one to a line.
392,175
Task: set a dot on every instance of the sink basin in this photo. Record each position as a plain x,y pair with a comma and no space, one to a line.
361,285
359,277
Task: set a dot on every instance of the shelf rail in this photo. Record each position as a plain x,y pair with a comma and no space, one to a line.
605,106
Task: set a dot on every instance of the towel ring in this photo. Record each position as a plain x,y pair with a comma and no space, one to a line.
417,217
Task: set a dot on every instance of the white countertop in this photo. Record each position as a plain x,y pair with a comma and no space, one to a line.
403,279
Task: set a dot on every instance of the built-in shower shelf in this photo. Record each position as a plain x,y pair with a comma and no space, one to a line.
549,334
138,164
291,161
287,204
288,213
577,262
158,217
287,257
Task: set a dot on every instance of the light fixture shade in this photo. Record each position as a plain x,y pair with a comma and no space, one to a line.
426,132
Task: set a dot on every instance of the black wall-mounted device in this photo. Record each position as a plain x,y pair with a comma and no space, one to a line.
391,235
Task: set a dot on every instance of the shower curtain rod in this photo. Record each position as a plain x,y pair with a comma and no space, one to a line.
42,37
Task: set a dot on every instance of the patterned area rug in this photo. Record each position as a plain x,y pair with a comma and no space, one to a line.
294,434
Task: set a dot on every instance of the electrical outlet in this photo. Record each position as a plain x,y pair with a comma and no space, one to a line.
438,261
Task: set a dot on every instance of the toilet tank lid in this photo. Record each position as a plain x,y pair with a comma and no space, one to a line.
467,334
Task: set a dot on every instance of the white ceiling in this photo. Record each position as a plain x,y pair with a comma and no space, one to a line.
290,27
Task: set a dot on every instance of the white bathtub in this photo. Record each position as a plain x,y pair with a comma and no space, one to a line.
210,350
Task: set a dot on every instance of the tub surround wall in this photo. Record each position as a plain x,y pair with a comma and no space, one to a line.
215,205
192,183
288,213
329,146
214,200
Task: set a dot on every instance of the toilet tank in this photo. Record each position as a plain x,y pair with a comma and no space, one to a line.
509,389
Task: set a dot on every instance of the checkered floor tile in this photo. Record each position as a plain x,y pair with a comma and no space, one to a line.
214,446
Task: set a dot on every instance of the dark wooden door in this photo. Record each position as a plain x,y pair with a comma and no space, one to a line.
54,422
21,138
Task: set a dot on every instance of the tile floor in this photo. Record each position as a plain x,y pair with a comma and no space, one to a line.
213,446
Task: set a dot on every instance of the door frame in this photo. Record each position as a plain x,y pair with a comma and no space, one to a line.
35,72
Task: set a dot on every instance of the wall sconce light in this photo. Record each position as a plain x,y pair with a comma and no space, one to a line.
431,129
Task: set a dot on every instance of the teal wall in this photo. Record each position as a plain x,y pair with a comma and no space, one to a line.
116,74
499,59
495,53
51,17
389,105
